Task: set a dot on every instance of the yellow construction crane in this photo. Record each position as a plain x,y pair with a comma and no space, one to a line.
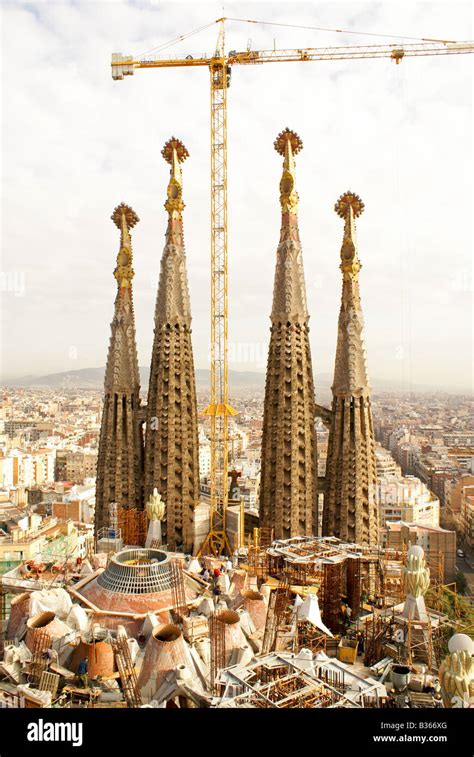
220,66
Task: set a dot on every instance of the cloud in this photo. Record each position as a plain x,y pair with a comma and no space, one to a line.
75,144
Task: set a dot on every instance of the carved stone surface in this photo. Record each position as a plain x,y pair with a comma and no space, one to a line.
288,484
171,445
120,458
350,508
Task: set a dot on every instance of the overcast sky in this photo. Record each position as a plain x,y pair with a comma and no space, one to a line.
75,143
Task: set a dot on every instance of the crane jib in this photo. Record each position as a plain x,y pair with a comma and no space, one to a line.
124,64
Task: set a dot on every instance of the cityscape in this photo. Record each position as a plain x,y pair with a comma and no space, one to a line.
424,452
194,529
424,456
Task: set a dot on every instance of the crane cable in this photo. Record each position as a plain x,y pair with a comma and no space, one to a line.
182,37
174,41
405,346
339,31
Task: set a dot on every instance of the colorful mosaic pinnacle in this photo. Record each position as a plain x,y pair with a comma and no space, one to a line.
171,456
350,508
288,497
120,458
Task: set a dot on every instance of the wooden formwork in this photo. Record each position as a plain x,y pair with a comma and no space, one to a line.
353,585
178,590
309,637
127,671
218,651
277,615
133,525
331,595
39,660
418,636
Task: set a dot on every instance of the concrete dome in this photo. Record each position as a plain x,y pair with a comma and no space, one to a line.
136,580
416,551
460,642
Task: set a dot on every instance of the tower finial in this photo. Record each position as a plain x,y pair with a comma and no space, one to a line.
349,201
175,153
171,442
125,218
288,503
288,144
350,502
120,455
349,206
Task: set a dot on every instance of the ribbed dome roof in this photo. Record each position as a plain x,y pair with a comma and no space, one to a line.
137,571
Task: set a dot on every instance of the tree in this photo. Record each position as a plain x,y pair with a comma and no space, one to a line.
461,582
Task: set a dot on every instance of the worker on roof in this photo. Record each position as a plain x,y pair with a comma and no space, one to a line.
216,589
82,672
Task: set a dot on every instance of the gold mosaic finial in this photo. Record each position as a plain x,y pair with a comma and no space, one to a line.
175,153
288,144
125,218
122,210
349,206
346,201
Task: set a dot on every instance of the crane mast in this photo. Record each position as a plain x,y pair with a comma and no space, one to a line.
219,410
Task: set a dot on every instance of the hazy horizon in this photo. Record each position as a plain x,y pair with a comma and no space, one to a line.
322,382
75,144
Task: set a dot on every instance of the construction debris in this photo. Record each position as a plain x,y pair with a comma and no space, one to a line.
312,627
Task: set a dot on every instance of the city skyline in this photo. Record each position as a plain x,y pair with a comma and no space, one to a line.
417,239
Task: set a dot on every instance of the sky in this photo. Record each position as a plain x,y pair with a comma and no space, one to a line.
75,143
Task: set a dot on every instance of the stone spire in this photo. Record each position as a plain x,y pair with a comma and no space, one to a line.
120,459
171,447
350,508
288,484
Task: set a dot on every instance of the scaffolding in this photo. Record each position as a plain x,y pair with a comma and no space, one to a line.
133,525
331,595
378,702
418,635
218,650
377,632
3,616
49,682
40,659
392,571
275,681
11,701
435,595
309,637
333,678
126,670
353,585
257,561
372,577
295,691
277,615
178,591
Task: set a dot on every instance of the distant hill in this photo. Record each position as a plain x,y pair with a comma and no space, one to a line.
93,378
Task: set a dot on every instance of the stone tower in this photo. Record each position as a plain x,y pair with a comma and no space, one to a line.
120,459
350,508
288,484
171,446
